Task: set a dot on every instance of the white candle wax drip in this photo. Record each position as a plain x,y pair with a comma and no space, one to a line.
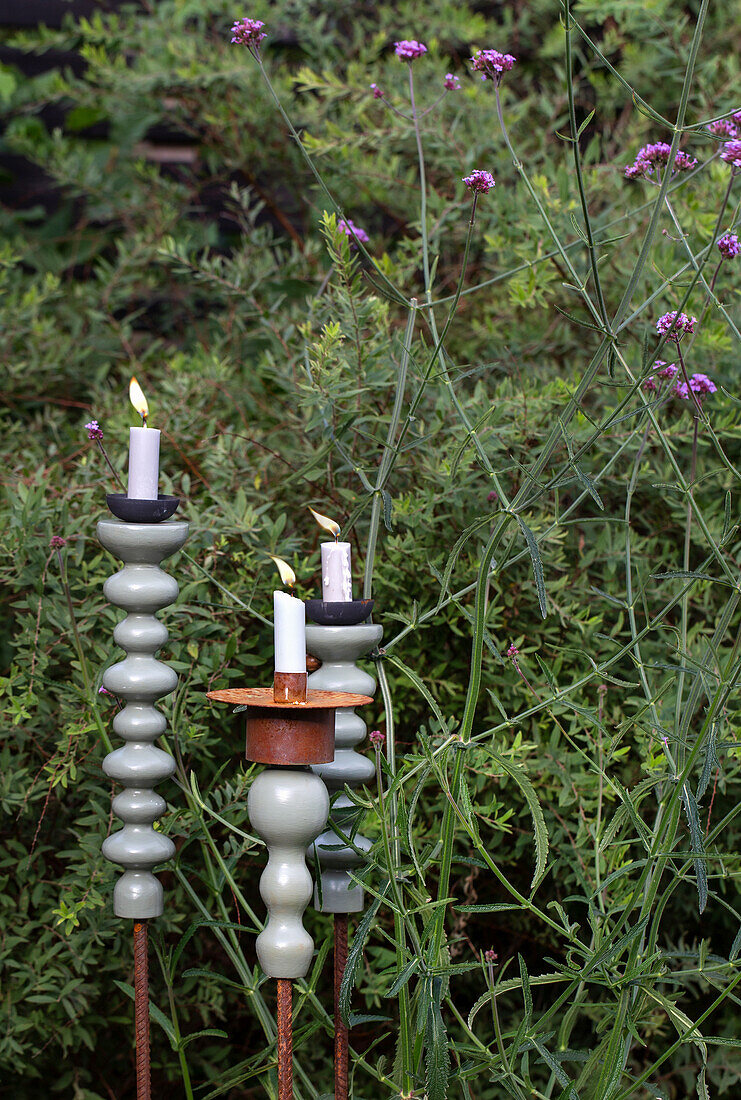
144,463
289,633
336,572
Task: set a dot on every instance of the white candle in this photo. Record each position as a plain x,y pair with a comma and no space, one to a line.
144,463
289,633
336,572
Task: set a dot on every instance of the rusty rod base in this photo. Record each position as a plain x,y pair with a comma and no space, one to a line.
141,1010
340,1028
285,1039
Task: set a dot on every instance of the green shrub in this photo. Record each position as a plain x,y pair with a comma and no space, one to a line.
272,355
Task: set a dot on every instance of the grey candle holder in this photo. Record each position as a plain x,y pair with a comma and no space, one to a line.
338,613
141,588
135,510
338,648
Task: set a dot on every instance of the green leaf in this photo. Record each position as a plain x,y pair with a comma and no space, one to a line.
698,844
711,762
8,84
404,976
214,1032
527,997
493,907
354,956
556,1069
702,1088
388,509
532,546
540,832
80,118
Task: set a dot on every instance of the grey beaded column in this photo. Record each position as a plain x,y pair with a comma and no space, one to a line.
338,648
141,588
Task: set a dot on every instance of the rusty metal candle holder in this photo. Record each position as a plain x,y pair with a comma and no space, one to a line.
288,727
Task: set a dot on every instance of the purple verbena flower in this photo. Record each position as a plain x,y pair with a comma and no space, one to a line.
723,127
683,324
103,691
656,151
668,370
736,116
376,739
683,162
729,246
57,542
479,181
731,153
656,155
94,430
638,169
353,231
377,93
490,956
492,496
650,384
248,32
492,64
452,83
699,384
513,651
408,49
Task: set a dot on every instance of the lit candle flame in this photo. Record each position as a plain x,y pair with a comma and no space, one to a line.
138,400
287,575
325,522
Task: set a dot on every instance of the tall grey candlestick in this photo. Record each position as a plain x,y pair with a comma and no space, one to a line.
338,648
141,588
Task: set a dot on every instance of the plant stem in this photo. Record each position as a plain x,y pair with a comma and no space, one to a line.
594,259
422,188
389,454
708,286
185,1072
110,465
391,290
685,598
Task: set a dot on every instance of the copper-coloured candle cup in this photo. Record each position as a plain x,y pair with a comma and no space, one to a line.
289,687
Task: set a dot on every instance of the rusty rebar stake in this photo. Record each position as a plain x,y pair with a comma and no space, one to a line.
340,1028
285,1039
141,1010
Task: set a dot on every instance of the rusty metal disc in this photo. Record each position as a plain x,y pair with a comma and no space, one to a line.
289,733
263,697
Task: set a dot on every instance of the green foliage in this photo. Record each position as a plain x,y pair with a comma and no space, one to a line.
468,400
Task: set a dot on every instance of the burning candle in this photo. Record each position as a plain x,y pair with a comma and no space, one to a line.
289,625
144,450
336,563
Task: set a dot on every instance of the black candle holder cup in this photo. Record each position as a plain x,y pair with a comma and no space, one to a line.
133,510
338,613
